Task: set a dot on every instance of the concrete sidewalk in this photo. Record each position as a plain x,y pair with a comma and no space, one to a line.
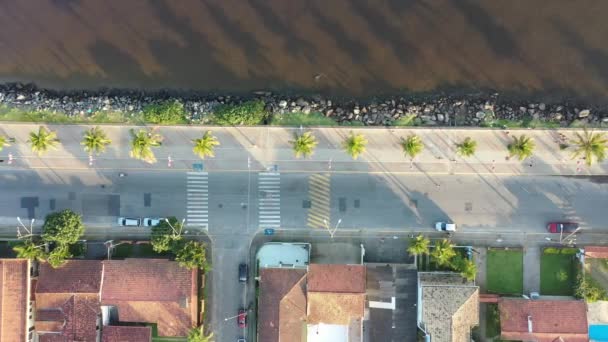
259,148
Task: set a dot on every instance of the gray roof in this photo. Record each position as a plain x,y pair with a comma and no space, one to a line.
450,306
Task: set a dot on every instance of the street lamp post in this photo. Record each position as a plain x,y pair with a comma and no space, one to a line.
29,231
567,237
329,230
110,246
175,231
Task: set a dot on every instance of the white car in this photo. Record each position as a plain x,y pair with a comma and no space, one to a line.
445,227
152,221
129,221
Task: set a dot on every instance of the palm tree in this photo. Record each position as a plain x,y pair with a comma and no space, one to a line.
467,147
443,252
304,144
43,140
590,146
354,145
198,335
3,142
29,250
419,245
412,146
95,140
142,143
204,146
467,269
521,147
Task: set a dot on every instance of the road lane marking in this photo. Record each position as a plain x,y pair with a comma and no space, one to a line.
197,199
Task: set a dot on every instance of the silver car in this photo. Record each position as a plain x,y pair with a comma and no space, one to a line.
152,221
129,221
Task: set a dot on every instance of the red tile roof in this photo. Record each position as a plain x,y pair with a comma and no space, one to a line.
336,278
551,320
14,274
596,252
281,288
146,280
75,318
76,276
126,334
154,291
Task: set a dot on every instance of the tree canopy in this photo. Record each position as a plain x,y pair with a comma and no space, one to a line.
419,245
304,144
64,227
163,237
192,254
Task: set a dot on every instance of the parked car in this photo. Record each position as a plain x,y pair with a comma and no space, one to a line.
241,339
562,227
445,227
129,221
152,221
243,273
242,318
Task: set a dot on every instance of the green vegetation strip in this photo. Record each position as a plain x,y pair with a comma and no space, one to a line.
557,274
492,321
505,271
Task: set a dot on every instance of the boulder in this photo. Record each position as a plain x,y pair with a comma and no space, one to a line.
584,113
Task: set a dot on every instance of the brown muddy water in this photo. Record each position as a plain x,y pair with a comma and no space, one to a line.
349,47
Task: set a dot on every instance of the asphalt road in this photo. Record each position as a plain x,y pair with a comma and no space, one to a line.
236,205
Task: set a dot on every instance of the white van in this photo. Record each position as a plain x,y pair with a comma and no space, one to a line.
129,221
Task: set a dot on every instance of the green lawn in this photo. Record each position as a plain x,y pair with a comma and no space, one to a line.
557,274
492,321
505,271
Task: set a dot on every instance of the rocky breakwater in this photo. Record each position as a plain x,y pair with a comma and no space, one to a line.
474,110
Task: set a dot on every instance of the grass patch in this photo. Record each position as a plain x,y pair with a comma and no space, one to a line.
492,320
248,113
302,119
524,123
45,116
505,271
405,121
142,250
557,274
352,123
165,113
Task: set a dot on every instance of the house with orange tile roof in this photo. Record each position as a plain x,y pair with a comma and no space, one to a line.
543,320
87,300
322,303
15,295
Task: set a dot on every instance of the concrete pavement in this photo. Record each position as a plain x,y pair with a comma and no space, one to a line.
258,148
381,195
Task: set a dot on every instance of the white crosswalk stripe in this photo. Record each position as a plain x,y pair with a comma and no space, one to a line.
197,207
269,199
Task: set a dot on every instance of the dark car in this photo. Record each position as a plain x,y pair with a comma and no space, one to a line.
562,227
243,273
241,319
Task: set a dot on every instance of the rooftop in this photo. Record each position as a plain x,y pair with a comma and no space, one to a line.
126,334
153,291
76,276
449,308
282,304
14,275
548,319
334,308
596,252
288,255
336,278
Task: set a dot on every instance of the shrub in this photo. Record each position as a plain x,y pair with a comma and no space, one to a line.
167,112
246,113
588,289
566,251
